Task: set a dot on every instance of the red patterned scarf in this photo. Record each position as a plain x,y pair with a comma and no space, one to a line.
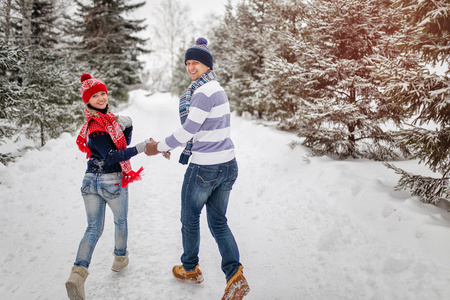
106,123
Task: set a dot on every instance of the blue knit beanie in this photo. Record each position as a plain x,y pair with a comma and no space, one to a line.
200,52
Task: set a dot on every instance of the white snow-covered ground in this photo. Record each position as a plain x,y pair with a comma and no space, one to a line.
308,228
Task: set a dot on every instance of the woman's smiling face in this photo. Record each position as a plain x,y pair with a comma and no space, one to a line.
99,100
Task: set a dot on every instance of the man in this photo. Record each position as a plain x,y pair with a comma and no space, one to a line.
205,119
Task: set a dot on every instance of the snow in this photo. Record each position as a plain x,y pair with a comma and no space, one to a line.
307,227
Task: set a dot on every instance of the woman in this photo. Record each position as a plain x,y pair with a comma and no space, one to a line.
104,137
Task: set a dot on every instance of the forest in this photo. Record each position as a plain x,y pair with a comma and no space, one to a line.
354,79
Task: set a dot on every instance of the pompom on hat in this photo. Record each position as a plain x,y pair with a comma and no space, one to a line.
90,86
200,52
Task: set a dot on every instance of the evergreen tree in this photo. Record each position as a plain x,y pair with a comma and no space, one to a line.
37,82
325,91
10,91
180,78
44,16
48,78
109,46
52,97
277,93
238,44
425,95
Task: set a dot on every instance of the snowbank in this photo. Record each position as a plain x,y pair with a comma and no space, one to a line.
307,227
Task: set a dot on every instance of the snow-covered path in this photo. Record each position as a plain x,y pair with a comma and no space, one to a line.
307,228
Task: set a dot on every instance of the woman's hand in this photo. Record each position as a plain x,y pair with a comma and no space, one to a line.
151,148
124,122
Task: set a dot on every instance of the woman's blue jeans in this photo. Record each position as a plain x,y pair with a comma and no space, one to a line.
208,185
97,191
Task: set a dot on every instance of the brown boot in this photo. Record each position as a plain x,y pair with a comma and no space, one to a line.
75,283
120,262
237,287
194,276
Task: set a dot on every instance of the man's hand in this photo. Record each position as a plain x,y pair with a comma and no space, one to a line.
166,155
151,148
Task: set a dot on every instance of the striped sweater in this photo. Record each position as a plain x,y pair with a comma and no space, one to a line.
208,123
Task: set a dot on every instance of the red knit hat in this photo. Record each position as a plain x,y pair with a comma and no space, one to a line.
90,86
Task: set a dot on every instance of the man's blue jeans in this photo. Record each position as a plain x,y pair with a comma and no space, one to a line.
97,191
211,186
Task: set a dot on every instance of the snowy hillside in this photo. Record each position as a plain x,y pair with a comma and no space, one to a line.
309,228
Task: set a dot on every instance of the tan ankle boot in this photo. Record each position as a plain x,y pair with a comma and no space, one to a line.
120,262
75,283
237,287
194,276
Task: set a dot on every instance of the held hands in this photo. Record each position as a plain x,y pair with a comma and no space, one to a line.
152,149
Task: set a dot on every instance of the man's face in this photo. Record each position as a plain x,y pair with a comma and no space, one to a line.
196,69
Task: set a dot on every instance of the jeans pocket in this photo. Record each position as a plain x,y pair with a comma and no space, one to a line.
231,178
206,178
85,187
110,191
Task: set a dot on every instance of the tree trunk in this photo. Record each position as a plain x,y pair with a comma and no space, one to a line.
352,126
27,9
7,21
42,134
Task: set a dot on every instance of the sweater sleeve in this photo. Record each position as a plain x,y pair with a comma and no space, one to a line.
103,143
201,106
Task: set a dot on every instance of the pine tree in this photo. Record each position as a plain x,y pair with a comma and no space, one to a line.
43,27
38,79
180,78
48,78
53,101
424,95
109,47
238,44
277,93
10,92
325,91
